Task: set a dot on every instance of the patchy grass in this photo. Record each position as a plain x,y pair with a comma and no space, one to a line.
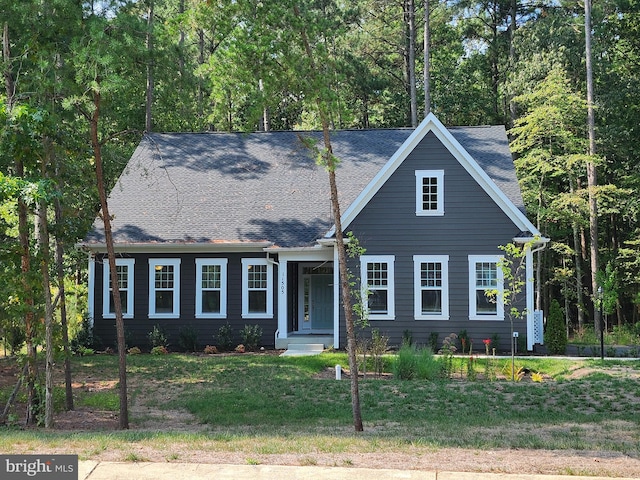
264,404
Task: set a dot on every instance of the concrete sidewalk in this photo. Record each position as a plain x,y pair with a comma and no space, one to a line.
89,470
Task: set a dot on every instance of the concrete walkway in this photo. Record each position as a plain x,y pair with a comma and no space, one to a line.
89,470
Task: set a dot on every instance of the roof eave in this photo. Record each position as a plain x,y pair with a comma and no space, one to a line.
196,247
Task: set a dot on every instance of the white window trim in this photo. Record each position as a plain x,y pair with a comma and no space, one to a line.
245,288
175,262
222,263
439,175
391,308
473,315
418,260
106,284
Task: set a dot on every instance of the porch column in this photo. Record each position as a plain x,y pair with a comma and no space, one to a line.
282,300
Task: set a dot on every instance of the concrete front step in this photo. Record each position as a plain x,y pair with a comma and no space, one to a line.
300,349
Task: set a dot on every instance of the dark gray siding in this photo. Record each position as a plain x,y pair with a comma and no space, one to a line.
137,328
472,225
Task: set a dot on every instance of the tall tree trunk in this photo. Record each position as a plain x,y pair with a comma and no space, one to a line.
150,80
591,167
410,14
29,316
106,218
427,58
59,216
25,253
512,56
43,246
200,106
578,262
330,164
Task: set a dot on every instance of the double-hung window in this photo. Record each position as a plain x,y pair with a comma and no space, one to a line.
211,288
164,288
124,271
429,192
485,275
431,287
257,288
378,286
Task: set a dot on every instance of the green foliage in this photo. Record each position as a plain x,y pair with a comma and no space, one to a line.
379,347
13,336
432,341
513,372
188,338
251,336
411,363
405,364
159,350
84,338
465,341
555,335
225,338
407,337
158,337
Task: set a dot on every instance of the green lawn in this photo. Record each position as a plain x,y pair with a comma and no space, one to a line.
266,403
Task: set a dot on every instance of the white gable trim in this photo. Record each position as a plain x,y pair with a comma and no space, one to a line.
432,124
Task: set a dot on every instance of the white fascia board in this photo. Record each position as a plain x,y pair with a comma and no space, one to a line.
230,247
432,124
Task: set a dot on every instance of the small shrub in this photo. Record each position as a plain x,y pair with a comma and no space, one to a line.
134,351
518,372
407,338
429,368
416,363
251,335
405,365
433,341
188,338
495,342
84,337
225,337
85,351
472,374
447,350
379,346
159,350
210,350
537,377
158,337
465,341
14,337
555,335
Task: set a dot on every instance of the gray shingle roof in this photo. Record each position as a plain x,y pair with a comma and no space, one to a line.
238,187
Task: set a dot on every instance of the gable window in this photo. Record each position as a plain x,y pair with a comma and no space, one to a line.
429,192
378,273
431,287
257,288
211,288
164,288
124,271
485,274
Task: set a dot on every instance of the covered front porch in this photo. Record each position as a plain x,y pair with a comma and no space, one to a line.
307,293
